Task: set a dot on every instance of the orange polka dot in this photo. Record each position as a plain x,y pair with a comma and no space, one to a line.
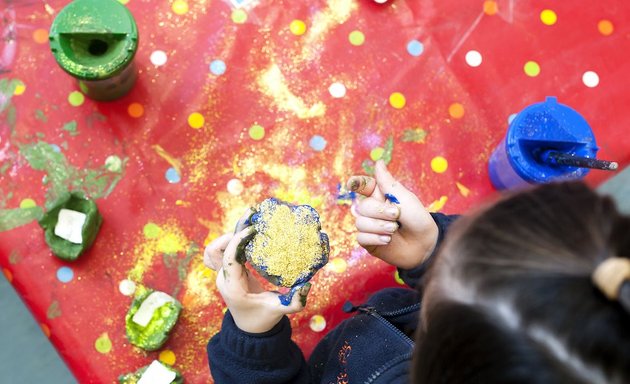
456,110
40,36
606,27
135,110
7,274
490,7
45,329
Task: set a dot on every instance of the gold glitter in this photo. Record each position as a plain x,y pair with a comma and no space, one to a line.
273,84
336,13
200,287
290,244
171,240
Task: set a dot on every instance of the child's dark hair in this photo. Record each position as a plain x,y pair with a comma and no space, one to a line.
511,297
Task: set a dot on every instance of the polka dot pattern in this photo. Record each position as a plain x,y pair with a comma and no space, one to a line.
356,38
318,143
605,27
196,120
103,344
531,68
590,79
257,132
397,100
172,176
40,36
127,287
65,274
135,110
76,98
548,17
317,323
297,27
456,110
377,153
415,48
158,58
474,58
235,187
239,16
337,90
217,67
167,357
180,7
27,203
439,164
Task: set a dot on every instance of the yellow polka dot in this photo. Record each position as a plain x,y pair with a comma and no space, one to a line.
28,203
605,27
20,88
297,27
531,68
151,231
257,132
397,278
135,110
356,38
167,357
180,7
103,344
337,265
76,98
397,100
239,16
317,323
377,153
548,17
40,36
7,274
196,120
490,7
456,110
439,164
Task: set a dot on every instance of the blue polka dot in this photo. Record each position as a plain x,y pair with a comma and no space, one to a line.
415,48
217,67
55,147
172,176
511,118
318,143
65,274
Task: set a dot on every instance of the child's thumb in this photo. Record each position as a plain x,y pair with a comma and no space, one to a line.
387,184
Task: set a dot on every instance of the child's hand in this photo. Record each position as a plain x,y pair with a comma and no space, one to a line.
404,234
254,310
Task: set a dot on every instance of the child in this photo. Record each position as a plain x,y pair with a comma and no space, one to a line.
509,299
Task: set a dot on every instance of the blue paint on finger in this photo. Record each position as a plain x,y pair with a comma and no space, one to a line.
391,198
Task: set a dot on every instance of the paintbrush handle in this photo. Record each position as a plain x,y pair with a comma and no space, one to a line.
561,158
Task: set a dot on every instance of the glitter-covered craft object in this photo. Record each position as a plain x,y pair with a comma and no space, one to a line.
150,319
288,247
154,373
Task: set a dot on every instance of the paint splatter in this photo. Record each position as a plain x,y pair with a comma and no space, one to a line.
417,135
437,205
54,310
71,128
13,218
462,189
386,156
62,176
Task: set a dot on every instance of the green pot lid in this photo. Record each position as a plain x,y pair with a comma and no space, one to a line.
94,39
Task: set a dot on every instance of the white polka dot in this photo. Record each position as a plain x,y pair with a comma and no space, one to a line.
473,58
235,187
127,287
317,323
337,90
590,79
158,58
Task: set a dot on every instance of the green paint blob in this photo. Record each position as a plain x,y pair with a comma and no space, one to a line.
13,218
71,127
103,344
151,231
54,310
63,177
414,135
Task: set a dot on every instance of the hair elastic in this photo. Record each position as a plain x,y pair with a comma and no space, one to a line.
610,275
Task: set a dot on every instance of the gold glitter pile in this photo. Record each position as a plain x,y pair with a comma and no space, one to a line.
288,246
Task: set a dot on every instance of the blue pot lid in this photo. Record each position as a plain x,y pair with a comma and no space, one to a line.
548,126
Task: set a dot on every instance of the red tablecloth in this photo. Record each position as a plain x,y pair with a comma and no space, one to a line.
233,106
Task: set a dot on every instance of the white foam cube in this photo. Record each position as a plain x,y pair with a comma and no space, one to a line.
157,374
70,225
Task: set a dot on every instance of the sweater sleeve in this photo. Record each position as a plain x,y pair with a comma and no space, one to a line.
413,277
272,357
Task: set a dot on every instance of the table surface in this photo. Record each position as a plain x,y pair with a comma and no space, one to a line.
236,103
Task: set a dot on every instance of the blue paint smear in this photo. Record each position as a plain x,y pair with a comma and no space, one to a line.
391,198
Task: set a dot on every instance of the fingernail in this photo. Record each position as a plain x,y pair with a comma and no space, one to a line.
354,184
385,239
391,227
393,212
